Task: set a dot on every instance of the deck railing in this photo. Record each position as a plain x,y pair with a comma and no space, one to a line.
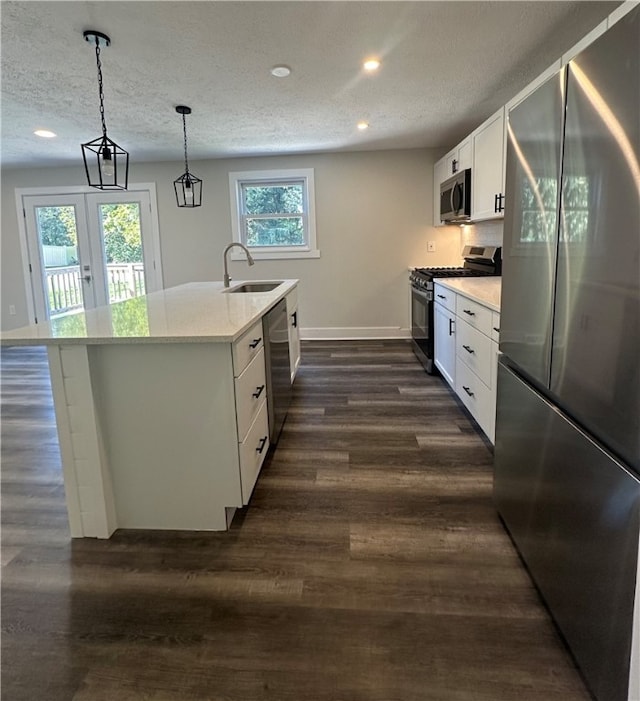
64,285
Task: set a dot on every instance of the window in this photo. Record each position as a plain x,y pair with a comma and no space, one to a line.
273,213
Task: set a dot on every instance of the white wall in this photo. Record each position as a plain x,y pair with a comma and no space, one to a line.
373,215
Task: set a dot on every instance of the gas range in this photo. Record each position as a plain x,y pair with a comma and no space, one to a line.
478,261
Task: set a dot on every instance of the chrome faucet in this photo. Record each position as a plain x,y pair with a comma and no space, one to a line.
250,260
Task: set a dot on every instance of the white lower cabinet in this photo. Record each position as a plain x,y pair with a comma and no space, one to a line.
445,343
252,452
466,352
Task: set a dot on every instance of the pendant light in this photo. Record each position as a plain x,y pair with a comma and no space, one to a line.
106,163
188,188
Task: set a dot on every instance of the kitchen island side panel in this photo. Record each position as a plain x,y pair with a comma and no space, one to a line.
168,421
87,477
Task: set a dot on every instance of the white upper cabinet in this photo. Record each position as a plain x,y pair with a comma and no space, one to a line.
488,169
458,158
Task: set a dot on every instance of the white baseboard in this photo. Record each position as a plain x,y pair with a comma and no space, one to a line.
350,333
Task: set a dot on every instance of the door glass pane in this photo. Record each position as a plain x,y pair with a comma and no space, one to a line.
122,240
58,238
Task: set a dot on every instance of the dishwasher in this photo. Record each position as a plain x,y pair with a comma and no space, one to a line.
275,328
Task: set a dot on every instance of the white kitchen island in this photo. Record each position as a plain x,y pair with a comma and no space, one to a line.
161,418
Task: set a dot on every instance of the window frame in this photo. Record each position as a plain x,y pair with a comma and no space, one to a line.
240,179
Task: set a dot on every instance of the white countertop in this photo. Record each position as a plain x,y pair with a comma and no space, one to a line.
192,313
484,290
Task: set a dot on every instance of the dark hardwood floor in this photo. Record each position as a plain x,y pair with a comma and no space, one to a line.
369,566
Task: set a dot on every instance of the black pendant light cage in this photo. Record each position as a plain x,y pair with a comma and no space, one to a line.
188,187
106,164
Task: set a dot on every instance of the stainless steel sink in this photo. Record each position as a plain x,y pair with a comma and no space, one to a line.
256,287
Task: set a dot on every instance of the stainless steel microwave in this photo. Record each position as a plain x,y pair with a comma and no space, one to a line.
455,198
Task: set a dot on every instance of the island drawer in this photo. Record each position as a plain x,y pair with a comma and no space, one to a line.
474,349
247,347
445,297
253,450
475,314
251,390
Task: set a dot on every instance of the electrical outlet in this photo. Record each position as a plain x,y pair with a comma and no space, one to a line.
431,246
12,309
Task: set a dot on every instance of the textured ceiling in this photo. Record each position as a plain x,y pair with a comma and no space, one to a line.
446,66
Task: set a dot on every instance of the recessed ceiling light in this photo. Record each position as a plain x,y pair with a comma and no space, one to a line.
363,125
371,64
44,133
281,71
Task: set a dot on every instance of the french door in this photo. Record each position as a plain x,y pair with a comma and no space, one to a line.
89,249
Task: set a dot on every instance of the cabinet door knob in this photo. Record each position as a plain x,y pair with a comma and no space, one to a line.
255,342
258,391
263,442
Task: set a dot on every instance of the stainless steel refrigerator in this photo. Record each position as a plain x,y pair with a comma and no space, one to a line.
567,452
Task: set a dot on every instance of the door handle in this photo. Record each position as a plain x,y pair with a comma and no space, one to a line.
450,327
255,342
258,391
263,442
294,319
86,278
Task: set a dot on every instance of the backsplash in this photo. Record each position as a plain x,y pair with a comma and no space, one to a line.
484,233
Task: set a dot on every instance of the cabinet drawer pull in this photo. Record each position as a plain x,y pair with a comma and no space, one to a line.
468,349
258,391
263,442
467,390
469,312
496,329
255,342
441,296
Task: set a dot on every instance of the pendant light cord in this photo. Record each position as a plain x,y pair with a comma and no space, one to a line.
184,129
100,88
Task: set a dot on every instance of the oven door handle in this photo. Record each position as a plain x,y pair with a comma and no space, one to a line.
420,293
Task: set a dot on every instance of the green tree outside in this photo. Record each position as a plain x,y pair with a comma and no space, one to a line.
263,204
121,228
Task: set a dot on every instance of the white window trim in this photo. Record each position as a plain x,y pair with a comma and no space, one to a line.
271,252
